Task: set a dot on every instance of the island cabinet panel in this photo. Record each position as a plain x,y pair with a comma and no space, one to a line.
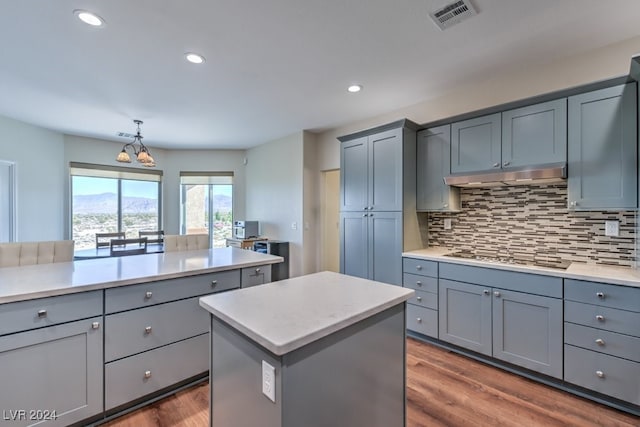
157,292
602,149
53,374
135,331
535,135
475,144
433,163
133,377
490,319
252,276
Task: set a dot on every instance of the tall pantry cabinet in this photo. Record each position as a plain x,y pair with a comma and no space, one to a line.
377,201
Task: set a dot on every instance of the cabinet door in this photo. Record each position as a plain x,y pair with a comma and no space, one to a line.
475,144
464,316
353,175
57,368
535,135
354,244
433,164
602,157
385,247
527,331
385,171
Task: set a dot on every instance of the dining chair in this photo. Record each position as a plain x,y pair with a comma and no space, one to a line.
156,236
186,242
118,247
103,239
29,253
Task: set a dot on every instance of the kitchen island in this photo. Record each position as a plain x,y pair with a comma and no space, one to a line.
317,350
84,341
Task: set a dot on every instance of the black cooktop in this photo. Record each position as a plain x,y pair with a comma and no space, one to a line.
496,259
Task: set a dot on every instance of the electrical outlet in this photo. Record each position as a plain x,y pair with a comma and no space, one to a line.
294,225
447,223
269,381
612,228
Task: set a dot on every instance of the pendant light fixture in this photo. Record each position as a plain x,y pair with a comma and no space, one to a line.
141,152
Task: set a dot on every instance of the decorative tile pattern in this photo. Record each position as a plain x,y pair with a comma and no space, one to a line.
531,223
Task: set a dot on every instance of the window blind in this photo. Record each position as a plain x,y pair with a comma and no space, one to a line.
206,178
116,172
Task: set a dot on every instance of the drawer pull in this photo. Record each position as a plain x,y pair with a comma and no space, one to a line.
600,341
486,292
257,270
419,299
147,374
147,330
214,282
496,294
600,374
600,318
600,295
42,313
418,283
148,294
419,319
95,325
418,267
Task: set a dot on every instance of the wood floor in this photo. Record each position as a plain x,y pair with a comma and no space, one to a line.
443,389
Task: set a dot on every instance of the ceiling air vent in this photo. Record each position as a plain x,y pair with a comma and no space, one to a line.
124,135
453,13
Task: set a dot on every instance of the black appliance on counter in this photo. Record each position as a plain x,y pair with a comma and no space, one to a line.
275,247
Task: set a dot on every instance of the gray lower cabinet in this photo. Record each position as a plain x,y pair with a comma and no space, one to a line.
252,276
476,144
371,244
52,376
602,338
602,149
517,327
422,309
432,165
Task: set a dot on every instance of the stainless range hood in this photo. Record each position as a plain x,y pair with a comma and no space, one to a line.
533,175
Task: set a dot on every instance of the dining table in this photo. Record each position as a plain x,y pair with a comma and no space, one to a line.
105,252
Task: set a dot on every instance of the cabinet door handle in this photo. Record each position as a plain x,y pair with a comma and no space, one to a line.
600,374
370,208
214,282
419,299
42,313
257,270
600,341
600,318
147,374
365,215
365,208
446,205
496,165
419,319
573,204
486,292
419,283
600,295
147,330
418,267
95,325
148,294
506,163
496,294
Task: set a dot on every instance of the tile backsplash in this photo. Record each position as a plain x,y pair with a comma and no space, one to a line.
531,222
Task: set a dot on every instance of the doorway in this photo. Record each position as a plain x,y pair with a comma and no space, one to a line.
330,220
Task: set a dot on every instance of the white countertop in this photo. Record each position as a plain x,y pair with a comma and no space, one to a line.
600,273
286,315
44,280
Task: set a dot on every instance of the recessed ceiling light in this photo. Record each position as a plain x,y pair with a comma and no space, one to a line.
194,58
354,88
89,18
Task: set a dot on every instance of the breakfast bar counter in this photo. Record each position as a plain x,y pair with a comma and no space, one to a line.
317,350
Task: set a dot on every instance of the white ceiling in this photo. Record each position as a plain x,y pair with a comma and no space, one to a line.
274,67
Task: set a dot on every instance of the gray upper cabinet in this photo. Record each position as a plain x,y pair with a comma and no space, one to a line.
602,154
535,135
371,172
475,144
433,164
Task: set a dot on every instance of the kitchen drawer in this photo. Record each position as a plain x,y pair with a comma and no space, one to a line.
136,376
609,319
422,320
602,373
537,284
612,343
259,275
37,313
420,266
146,294
424,299
420,283
139,330
623,297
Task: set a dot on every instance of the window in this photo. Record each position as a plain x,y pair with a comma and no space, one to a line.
106,199
207,201
7,201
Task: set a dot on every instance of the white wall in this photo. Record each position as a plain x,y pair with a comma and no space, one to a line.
38,154
274,185
310,205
